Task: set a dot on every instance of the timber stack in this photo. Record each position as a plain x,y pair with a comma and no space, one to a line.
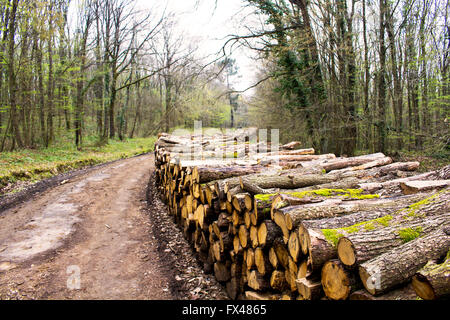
285,223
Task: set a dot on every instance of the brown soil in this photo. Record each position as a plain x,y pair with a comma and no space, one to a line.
99,223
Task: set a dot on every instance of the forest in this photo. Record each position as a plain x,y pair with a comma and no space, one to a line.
355,75
109,70
340,76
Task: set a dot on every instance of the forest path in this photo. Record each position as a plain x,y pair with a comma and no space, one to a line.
95,224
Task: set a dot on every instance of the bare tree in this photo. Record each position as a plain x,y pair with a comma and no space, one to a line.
172,57
121,45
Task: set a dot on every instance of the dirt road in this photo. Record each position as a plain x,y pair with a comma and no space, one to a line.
91,237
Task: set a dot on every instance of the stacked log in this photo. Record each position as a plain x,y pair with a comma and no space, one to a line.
269,232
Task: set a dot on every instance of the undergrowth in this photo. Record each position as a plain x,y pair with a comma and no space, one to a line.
32,165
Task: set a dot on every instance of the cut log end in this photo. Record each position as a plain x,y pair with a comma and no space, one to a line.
262,234
244,236
368,281
278,280
423,288
248,201
293,246
309,289
289,222
346,252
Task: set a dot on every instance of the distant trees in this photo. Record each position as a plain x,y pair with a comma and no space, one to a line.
356,75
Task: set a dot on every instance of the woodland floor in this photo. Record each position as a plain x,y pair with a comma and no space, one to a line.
109,223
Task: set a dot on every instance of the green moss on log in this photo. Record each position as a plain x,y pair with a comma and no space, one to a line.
411,210
333,235
265,197
347,193
408,234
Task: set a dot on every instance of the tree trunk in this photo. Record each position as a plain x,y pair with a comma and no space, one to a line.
232,288
367,113
411,187
268,231
322,243
390,187
401,263
207,174
294,246
428,206
381,103
350,162
112,102
244,236
51,83
298,158
397,94
261,296
355,249
294,215
351,219
256,281
375,163
433,281
12,76
402,293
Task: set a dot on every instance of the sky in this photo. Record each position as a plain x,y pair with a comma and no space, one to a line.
209,22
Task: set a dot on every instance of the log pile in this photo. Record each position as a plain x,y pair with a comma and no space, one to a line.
290,224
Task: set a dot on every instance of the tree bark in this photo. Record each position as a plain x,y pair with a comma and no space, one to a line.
12,76
411,187
355,249
294,215
351,219
402,293
401,263
207,174
433,280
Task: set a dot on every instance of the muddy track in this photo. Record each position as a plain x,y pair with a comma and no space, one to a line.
102,234
13,199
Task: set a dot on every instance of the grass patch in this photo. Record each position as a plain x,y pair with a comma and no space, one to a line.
33,165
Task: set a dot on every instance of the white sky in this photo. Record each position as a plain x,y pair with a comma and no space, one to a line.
203,21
